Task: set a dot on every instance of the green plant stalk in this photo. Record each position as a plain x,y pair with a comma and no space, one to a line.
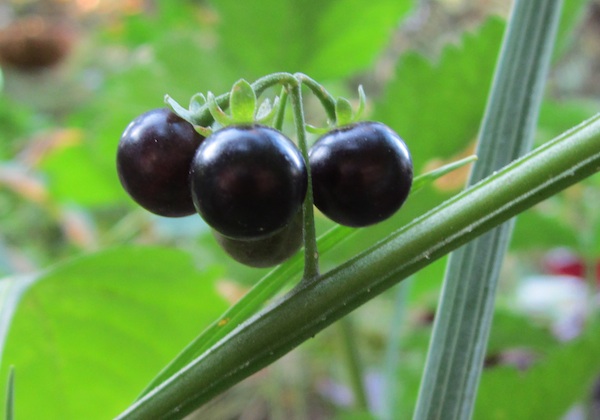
327,101
464,316
314,305
311,252
355,370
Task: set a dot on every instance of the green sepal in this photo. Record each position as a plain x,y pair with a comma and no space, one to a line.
217,113
266,112
242,102
343,112
197,103
317,130
362,100
203,131
178,109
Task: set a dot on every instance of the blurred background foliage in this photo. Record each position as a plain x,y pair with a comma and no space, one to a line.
119,291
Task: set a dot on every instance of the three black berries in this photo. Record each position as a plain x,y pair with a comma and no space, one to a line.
248,182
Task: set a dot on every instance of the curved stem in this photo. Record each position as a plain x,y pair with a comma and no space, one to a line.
321,93
311,253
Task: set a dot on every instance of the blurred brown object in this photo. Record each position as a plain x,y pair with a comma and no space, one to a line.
34,43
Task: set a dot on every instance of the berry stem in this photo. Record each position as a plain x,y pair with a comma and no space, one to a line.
321,93
311,253
283,97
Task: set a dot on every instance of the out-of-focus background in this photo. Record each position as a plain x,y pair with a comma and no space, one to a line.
73,73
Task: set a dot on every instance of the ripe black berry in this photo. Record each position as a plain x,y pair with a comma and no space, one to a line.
153,161
268,251
361,173
248,182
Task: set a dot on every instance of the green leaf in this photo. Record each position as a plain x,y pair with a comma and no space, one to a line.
511,330
572,14
552,385
466,308
536,230
437,107
9,413
325,39
91,332
11,290
178,61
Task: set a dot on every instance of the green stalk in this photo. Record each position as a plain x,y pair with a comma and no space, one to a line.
355,370
327,101
466,308
311,252
316,304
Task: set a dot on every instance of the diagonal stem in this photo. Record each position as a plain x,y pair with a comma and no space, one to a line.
316,304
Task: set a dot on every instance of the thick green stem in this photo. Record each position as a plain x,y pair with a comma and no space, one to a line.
316,304
311,252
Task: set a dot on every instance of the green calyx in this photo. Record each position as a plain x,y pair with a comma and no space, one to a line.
240,105
243,107
344,113
343,109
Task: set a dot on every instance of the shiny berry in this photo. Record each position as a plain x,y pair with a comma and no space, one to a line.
248,181
153,161
268,251
361,173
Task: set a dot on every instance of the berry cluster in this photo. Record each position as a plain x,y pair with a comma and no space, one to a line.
248,182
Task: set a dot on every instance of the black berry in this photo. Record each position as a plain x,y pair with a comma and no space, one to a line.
268,251
361,173
153,161
248,182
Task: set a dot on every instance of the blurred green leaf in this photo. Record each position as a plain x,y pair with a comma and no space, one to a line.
571,16
557,116
174,61
10,396
548,388
437,107
92,332
534,229
324,39
510,330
